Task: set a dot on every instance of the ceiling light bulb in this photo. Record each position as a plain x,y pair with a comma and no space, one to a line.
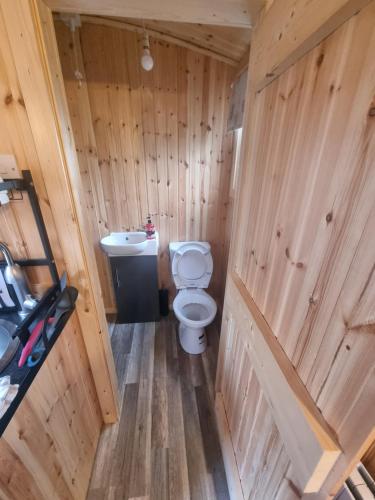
147,60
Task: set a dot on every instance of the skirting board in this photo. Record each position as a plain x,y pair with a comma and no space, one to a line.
230,463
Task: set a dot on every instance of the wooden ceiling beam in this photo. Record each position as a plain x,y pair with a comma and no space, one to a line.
225,40
239,13
158,35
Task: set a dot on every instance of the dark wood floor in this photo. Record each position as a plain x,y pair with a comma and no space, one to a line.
165,445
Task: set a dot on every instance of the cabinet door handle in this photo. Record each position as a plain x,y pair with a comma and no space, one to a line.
117,279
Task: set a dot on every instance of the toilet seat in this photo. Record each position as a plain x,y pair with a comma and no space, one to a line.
192,266
194,307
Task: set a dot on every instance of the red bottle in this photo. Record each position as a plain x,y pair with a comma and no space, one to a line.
150,229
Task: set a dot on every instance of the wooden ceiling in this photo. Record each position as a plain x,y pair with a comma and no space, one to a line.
226,43
239,13
225,40
220,28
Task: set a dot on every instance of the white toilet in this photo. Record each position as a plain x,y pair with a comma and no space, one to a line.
192,270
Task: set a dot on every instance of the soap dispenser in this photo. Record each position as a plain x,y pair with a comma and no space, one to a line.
149,228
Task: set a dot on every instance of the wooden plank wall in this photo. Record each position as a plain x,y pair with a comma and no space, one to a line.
236,13
304,248
32,56
150,142
48,449
254,435
17,223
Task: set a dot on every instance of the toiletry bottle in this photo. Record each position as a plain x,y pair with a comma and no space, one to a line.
149,228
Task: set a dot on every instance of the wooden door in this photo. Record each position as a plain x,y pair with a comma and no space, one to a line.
296,374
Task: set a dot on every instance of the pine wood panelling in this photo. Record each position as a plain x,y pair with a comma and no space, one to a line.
48,449
87,157
221,41
34,57
157,141
240,13
17,224
260,455
307,259
231,42
303,245
249,349
289,30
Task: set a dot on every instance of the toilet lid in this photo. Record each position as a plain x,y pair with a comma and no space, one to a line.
192,266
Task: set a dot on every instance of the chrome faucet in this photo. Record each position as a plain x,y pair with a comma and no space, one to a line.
14,276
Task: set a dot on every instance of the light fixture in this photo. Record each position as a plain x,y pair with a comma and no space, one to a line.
73,21
147,61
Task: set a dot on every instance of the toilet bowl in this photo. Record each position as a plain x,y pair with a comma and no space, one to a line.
194,308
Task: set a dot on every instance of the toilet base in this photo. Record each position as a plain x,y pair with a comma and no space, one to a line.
192,340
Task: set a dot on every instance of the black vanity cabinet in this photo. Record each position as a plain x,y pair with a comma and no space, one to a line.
135,281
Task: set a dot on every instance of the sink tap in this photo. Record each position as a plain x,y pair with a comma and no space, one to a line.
14,276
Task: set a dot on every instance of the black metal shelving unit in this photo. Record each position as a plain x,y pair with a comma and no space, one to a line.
26,184
24,376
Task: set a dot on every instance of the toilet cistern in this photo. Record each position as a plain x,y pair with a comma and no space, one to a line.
192,266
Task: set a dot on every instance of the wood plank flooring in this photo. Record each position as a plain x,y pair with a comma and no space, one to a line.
165,445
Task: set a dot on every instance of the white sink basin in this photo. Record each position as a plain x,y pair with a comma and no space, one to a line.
131,243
